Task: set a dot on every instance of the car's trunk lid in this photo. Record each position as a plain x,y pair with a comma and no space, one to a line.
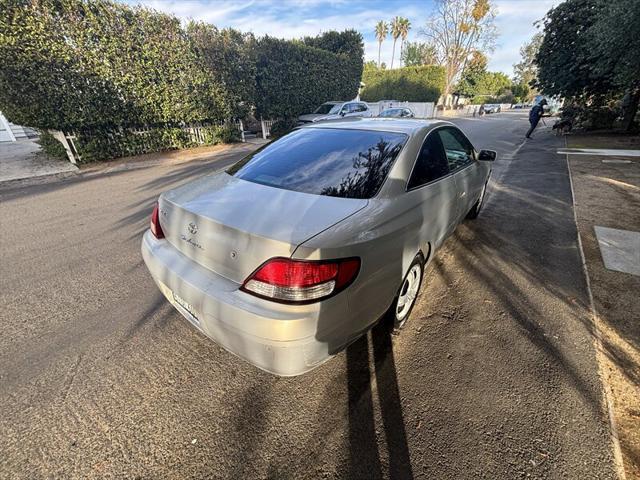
232,226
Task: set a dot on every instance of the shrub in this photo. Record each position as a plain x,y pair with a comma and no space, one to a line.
108,144
294,77
282,127
98,64
413,84
51,146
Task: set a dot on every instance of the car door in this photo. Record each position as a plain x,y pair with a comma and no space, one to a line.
431,189
351,109
464,167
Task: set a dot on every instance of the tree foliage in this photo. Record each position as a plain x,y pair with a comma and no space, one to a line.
457,28
418,53
525,71
100,65
590,53
414,84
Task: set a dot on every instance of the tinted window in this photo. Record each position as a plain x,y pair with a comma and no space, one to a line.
431,163
362,107
334,162
458,149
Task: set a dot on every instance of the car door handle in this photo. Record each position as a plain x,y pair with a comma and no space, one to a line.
462,195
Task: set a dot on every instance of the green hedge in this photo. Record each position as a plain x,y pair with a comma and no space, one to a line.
414,84
98,64
103,67
105,145
294,77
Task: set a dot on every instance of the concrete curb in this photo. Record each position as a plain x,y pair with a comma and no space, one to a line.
606,393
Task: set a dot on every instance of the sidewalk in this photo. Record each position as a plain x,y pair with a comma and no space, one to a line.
22,162
607,201
24,159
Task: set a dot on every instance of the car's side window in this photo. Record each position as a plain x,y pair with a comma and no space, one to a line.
431,163
361,107
458,149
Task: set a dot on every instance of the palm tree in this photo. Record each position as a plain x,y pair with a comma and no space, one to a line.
396,30
405,26
382,29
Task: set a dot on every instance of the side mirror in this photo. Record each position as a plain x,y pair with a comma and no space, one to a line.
343,112
487,155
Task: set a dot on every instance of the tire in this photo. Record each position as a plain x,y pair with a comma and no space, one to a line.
475,210
407,294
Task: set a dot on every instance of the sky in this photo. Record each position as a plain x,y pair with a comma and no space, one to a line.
298,18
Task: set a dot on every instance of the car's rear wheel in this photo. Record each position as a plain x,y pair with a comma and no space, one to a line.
475,210
407,295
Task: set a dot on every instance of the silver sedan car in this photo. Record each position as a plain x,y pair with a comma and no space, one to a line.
294,252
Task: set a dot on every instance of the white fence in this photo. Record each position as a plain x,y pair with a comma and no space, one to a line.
195,132
419,109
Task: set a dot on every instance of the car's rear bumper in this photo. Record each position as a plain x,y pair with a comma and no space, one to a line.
281,339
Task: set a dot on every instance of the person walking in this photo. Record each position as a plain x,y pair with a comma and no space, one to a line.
535,115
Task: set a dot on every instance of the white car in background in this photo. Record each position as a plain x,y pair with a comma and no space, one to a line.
335,110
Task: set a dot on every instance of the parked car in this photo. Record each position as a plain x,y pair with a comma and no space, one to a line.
402,112
294,252
492,108
336,110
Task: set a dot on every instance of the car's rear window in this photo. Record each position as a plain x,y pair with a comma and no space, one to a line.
334,162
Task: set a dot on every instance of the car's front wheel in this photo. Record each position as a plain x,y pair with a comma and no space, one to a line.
408,293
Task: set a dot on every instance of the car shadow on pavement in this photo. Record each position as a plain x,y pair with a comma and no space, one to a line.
364,452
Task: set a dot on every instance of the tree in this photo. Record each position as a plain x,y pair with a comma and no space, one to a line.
590,55
457,28
618,52
405,26
417,53
526,70
382,29
476,81
396,31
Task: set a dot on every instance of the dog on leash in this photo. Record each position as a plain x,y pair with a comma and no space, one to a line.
562,126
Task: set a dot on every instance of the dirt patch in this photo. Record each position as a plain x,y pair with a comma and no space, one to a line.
608,194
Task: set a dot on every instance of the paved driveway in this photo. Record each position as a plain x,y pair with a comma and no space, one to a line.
24,159
495,376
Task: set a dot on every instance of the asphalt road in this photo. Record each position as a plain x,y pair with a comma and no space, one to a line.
494,377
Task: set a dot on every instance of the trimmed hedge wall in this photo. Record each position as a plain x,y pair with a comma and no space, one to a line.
414,84
294,77
104,67
71,64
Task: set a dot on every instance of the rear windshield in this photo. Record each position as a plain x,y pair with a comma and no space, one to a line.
333,162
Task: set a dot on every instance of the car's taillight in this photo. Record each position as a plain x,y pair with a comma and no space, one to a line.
156,229
301,281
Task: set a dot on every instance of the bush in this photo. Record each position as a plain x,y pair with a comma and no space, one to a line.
101,68
98,64
51,146
108,144
591,117
294,77
414,84
282,127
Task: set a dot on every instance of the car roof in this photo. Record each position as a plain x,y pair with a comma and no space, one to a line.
399,125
